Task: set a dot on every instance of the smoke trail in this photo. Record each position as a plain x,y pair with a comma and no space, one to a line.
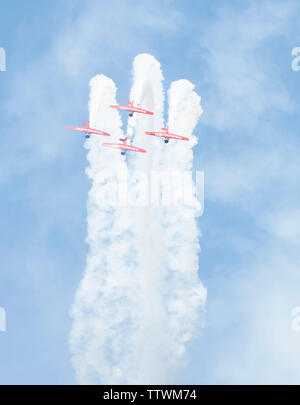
153,337
186,296
103,312
138,302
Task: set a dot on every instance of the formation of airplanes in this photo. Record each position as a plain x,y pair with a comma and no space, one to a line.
124,146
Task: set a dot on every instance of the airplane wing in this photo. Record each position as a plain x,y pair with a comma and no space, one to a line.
167,135
124,147
89,130
142,111
132,109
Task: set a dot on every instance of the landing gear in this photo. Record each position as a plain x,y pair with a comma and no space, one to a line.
130,114
123,152
166,140
87,136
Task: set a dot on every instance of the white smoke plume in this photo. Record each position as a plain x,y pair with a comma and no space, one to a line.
103,311
139,301
186,294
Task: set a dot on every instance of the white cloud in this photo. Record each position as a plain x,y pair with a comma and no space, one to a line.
262,347
50,92
245,86
284,223
251,166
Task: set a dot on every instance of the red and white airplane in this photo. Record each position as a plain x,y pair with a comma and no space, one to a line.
124,146
132,109
167,135
88,130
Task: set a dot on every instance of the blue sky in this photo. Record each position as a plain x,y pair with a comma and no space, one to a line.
238,54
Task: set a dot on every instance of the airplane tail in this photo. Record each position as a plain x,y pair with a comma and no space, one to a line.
122,139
